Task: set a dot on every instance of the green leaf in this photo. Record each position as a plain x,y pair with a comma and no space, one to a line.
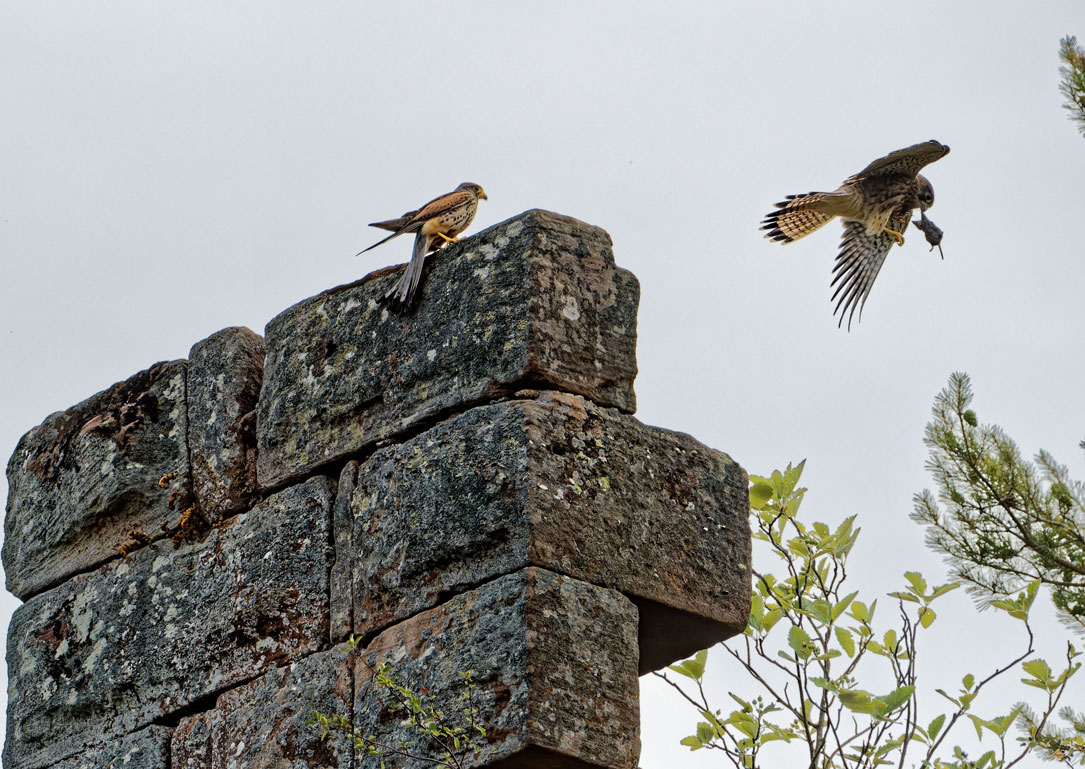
896,698
745,723
935,726
705,733
691,742
842,605
757,608
1026,598
771,619
954,700
905,597
799,642
860,612
820,610
978,723
1040,671
747,707
967,681
760,492
843,637
916,582
857,701
943,589
927,616
693,667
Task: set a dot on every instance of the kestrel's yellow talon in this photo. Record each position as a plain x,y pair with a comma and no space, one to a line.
447,239
896,236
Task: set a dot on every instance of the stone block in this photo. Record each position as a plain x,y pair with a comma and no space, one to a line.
265,724
142,638
224,375
535,301
555,482
146,749
83,479
555,664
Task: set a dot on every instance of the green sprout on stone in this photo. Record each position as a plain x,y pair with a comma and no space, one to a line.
455,744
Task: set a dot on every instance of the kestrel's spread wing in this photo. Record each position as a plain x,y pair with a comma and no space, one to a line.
861,257
435,223
876,205
908,161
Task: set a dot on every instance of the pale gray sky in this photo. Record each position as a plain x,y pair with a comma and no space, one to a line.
172,169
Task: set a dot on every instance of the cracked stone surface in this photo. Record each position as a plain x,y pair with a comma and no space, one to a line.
145,749
556,482
554,660
110,651
224,375
85,477
535,301
265,724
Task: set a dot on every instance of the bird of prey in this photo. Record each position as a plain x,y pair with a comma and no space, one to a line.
434,224
876,205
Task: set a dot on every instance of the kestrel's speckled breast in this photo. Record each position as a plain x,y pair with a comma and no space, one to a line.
453,222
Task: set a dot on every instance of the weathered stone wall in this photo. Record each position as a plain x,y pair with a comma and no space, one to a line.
457,487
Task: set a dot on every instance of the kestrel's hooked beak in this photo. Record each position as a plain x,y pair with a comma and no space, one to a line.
482,194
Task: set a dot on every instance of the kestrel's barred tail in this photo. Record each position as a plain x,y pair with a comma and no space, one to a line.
795,217
408,282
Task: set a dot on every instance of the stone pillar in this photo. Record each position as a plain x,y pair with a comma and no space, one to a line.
457,487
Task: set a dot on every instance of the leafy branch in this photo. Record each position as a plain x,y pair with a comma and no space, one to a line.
810,645
1072,79
1006,522
455,744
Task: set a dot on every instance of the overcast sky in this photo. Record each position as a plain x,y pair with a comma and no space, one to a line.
171,169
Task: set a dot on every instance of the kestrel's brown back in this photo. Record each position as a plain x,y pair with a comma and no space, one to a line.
875,204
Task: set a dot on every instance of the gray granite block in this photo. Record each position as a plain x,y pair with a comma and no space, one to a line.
110,651
267,722
534,301
554,660
556,482
146,749
224,375
84,478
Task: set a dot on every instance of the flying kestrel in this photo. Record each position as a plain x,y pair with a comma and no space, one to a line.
876,205
434,224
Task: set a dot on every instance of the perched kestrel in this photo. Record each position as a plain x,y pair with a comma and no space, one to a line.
434,224
876,205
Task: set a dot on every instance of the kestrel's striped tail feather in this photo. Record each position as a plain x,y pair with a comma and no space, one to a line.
381,241
797,217
403,290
